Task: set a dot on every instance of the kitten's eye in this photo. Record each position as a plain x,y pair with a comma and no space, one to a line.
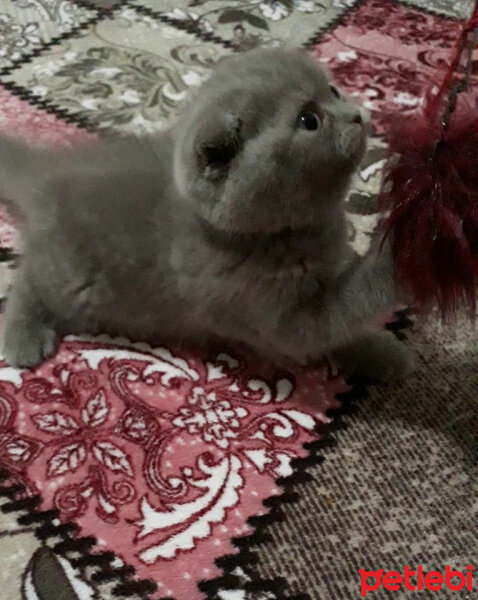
309,120
335,92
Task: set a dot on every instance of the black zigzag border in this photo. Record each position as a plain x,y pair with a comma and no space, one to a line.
336,22
182,25
70,544
246,558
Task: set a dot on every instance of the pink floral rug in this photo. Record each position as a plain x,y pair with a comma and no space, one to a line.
160,454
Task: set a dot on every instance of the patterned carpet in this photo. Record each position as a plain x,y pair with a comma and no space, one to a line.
400,485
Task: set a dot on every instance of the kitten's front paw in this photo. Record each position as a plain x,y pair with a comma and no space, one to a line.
27,347
396,365
377,356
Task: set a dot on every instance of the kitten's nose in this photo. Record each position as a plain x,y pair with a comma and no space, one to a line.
357,118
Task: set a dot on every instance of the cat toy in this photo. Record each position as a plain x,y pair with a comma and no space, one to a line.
430,189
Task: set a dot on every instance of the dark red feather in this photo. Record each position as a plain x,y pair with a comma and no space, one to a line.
430,187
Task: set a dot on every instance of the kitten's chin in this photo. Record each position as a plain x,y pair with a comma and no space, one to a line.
350,144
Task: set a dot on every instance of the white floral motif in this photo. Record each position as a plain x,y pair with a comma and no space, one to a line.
70,456
217,420
304,5
177,14
15,37
130,97
58,11
51,67
275,11
343,3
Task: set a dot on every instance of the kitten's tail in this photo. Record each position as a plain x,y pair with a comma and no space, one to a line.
21,169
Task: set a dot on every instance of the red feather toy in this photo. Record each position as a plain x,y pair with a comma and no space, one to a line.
430,190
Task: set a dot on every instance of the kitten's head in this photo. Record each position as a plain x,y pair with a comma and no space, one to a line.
268,143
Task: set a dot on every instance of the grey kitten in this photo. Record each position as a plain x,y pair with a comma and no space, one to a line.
230,226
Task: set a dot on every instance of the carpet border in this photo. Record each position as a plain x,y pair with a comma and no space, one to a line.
46,528
246,558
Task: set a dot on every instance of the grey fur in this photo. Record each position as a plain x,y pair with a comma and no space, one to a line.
229,226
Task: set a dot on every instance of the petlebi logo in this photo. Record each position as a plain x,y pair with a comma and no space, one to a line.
416,580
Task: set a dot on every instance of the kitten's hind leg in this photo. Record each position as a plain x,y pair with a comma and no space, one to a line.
28,336
377,356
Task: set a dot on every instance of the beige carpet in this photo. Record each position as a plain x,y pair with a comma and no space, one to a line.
399,488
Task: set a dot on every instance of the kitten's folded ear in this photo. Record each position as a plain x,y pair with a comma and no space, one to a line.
218,143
